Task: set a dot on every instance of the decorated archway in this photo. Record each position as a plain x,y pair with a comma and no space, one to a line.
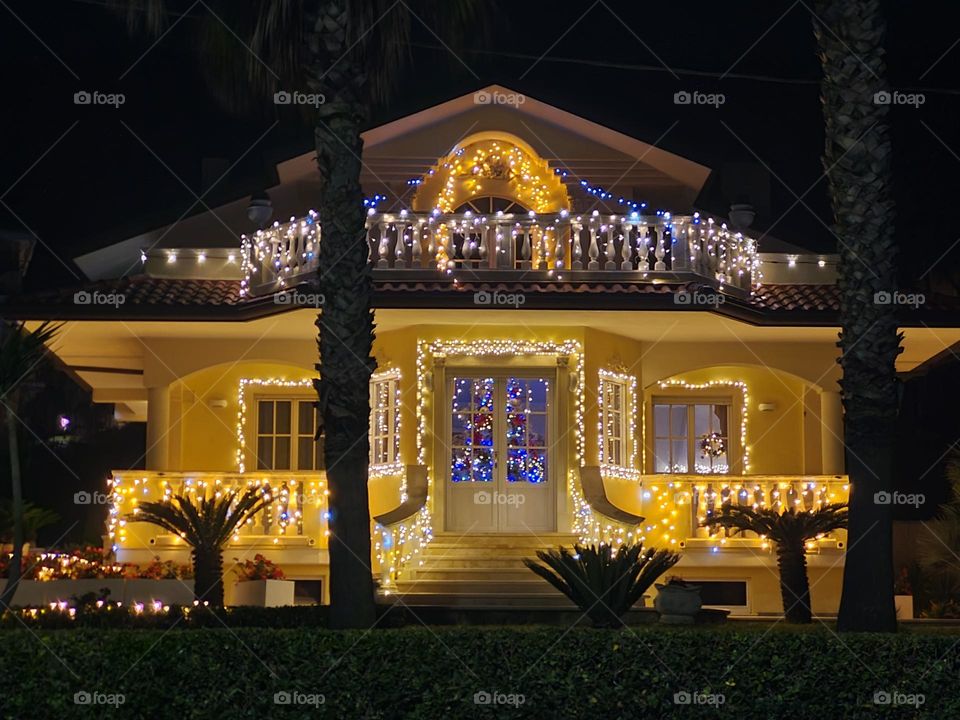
491,165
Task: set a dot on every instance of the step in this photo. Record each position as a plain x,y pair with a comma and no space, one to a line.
479,563
478,551
538,540
533,586
473,574
482,600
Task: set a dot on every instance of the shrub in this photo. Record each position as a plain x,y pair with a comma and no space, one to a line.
419,673
603,582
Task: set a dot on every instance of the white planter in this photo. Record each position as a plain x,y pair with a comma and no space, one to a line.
904,606
263,593
36,593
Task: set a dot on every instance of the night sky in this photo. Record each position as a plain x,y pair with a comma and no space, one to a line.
80,177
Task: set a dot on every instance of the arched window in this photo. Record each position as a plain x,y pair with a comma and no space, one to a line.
490,204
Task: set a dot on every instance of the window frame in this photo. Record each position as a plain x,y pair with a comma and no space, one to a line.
690,401
626,423
389,458
295,400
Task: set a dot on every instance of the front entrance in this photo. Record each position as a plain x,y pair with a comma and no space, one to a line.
499,471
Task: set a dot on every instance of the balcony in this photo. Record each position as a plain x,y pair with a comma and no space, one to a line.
511,247
675,505
295,519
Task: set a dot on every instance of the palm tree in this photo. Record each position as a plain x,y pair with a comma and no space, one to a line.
857,162
603,583
789,531
21,352
206,525
349,51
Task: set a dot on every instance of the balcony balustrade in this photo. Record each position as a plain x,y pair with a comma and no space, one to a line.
505,247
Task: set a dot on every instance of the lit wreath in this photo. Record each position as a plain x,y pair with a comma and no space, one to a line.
712,445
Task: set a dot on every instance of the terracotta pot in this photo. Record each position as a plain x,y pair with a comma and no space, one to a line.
677,604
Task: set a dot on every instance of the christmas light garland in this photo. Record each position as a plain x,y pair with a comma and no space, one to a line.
628,383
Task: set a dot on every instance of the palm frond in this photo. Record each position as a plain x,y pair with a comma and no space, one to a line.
206,522
21,350
788,527
602,582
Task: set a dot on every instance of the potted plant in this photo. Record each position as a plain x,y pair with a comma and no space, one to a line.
677,601
262,583
903,594
163,580
602,581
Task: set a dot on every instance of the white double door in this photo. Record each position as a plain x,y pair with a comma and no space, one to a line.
499,470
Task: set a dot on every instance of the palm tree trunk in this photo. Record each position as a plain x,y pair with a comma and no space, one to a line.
794,585
208,575
345,323
857,160
16,487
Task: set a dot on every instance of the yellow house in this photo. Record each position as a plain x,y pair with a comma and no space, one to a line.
557,362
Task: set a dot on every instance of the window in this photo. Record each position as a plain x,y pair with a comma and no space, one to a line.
385,418
286,428
691,436
617,397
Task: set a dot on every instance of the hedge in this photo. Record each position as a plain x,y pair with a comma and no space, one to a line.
438,672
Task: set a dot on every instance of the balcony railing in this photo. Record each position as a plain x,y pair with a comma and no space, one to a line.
684,501
625,248
296,512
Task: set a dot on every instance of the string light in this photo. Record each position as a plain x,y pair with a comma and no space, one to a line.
626,386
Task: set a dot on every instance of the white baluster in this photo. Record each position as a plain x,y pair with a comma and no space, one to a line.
626,262
660,265
400,250
559,250
610,249
643,248
416,249
483,245
541,248
575,230
593,252
384,248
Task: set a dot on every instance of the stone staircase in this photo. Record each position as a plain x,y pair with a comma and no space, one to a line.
482,571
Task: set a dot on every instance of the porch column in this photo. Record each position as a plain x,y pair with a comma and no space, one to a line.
831,433
158,427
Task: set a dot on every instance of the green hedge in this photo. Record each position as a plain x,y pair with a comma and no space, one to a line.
436,672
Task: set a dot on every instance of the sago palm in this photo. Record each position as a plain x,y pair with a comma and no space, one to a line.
21,353
205,524
857,161
789,531
603,582
349,51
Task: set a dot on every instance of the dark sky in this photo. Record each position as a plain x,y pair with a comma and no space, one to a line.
86,176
